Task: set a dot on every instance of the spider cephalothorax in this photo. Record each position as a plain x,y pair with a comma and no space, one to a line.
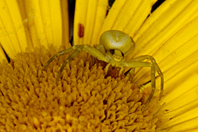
117,43
113,48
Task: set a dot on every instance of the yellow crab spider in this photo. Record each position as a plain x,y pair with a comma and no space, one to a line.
113,48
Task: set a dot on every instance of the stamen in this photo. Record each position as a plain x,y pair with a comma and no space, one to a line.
83,100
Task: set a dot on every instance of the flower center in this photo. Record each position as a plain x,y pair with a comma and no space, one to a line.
83,100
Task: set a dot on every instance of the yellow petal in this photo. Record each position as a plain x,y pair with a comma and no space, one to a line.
2,55
65,23
18,23
112,15
10,27
154,17
90,20
46,14
80,20
6,42
99,20
139,17
175,24
45,26
26,17
37,32
148,39
89,17
56,19
185,121
181,88
28,14
175,49
182,103
122,19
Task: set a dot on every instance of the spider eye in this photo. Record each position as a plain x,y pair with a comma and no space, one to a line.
112,51
122,54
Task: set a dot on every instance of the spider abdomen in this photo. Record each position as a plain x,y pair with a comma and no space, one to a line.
117,40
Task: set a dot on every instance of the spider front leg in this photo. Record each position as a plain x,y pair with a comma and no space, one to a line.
107,68
77,51
91,50
144,57
57,55
130,72
133,64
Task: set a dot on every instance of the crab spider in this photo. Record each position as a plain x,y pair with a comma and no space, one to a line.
113,48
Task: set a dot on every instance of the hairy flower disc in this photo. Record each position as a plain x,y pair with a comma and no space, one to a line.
83,99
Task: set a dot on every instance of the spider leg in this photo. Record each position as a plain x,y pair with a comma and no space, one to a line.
77,50
131,72
133,64
121,70
144,57
56,55
106,68
91,50
97,53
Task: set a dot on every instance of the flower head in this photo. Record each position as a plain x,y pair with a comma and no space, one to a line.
85,99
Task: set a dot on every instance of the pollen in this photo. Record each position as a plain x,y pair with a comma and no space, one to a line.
83,99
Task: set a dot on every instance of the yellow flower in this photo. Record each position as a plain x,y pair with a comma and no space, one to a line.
32,31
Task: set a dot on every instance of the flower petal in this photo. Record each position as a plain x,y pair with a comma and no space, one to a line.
91,13
27,24
183,103
37,24
139,17
10,31
183,122
2,55
89,17
174,51
47,21
170,22
99,20
112,15
56,19
122,19
65,23
80,20
174,47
